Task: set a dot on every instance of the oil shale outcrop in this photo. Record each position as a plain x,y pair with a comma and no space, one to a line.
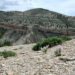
34,25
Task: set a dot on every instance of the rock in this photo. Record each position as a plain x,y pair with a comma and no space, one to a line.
10,73
1,71
39,52
22,52
51,70
1,58
67,58
71,57
37,57
73,69
62,57
15,49
49,74
2,65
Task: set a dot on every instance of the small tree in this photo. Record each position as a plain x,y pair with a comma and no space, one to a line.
41,23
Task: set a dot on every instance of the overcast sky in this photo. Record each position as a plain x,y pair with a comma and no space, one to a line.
66,7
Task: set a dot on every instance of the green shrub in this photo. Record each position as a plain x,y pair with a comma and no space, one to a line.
37,46
20,47
51,41
1,54
0,45
1,33
6,43
66,38
8,53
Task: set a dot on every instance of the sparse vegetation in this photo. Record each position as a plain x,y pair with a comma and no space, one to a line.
20,47
6,43
1,33
58,50
37,46
67,38
51,41
6,54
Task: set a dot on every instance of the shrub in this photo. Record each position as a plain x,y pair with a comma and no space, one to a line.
0,45
7,53
66,38
37,46
58,50
1,54
51,41
1,33
6,43
20,47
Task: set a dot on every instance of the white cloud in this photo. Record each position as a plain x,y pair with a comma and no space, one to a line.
66,7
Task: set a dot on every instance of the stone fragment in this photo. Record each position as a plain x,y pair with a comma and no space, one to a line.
22,52
71,57
2,65
51,70
63,58
49,74
1,71
10,73
67,58
15,49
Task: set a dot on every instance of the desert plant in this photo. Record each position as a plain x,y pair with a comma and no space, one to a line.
66,38
8,53
0,45
1,54
37,46
6,43
1,33
44,49
58,50
51,41
20,47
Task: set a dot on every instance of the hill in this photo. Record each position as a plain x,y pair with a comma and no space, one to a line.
34,25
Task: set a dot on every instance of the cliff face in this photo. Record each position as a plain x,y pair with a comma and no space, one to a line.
35,25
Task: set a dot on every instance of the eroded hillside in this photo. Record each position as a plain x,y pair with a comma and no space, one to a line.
35,25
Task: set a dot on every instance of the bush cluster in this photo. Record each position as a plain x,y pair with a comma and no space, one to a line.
6,54
1,33
51,41
66,38
6,43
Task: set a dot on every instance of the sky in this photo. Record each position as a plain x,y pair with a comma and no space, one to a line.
66,7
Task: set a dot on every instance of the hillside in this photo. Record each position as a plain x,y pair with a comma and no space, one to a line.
35,25
29,62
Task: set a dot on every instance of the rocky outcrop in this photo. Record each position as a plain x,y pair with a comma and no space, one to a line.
35,25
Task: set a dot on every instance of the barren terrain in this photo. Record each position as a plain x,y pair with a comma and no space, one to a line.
29,62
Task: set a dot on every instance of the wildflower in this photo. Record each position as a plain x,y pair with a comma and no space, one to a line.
44,49
58,50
